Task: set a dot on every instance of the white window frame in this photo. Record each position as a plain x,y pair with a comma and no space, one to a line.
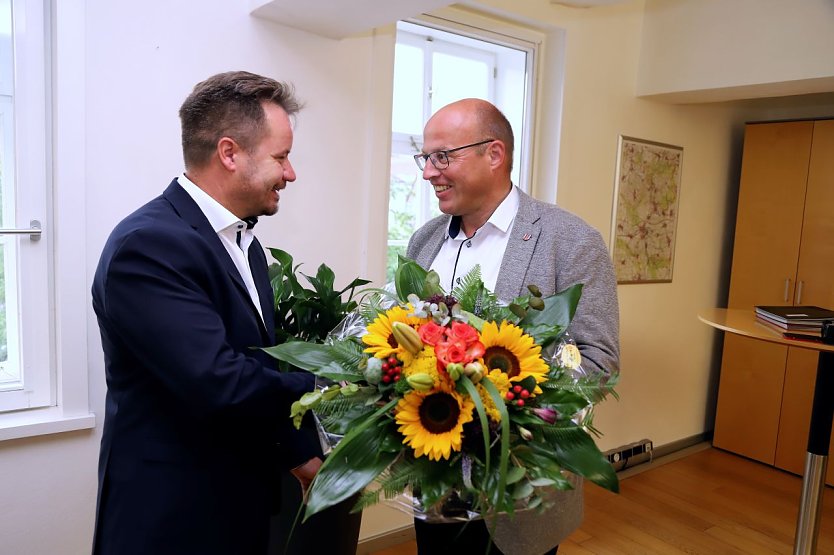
26,258
482,28
467,25
408,144
54,60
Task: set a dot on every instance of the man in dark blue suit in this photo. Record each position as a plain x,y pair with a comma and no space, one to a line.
196,422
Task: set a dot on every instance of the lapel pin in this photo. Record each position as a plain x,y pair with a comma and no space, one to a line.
526,237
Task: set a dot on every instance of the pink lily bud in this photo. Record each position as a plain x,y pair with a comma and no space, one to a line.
546,414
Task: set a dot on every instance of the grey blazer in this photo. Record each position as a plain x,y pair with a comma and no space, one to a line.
552,249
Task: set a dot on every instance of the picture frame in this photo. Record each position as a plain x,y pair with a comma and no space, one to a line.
644,218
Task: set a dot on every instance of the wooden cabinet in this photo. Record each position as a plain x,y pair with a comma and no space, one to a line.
783,254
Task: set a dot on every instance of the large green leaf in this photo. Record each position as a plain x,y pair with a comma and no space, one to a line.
468,387
574,449
307,356
338,373
410,278
550,323
499,496
358,282
352,465
283,257
323,282
558,309
567,403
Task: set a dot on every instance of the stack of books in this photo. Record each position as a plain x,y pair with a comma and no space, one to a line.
795,322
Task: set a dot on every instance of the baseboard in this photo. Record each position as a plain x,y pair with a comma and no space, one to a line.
385,540
669,452
681,444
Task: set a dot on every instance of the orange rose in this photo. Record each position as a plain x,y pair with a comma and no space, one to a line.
430,333
453,350
465,332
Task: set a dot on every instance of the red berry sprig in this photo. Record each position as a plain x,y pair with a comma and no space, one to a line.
517,395
391,370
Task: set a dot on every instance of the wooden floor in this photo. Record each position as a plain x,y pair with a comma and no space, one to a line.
709,502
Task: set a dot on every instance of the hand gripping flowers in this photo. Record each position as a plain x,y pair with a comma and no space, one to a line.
453,397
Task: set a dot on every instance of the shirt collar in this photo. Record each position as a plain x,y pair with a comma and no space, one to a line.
501,219
218,215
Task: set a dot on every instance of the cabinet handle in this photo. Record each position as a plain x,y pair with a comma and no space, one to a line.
799,292
787,288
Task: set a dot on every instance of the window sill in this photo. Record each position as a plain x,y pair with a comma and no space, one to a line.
38,422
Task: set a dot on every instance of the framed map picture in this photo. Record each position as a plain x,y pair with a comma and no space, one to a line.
646,194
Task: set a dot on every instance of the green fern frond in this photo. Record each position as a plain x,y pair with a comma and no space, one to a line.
391,483
350,353
468,288
563,436
375,303
493,310
368,498
397,478
594,388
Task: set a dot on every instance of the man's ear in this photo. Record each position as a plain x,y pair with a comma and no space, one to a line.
227,151
497,153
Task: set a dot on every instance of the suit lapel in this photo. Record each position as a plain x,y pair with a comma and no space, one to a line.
191,214
257,262
519,251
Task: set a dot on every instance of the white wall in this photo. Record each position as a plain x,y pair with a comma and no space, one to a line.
669,369
140,65
665,354
737,48
142,62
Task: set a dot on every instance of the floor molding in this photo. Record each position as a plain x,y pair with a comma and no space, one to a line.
670,452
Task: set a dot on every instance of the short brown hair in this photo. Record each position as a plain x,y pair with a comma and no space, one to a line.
229,105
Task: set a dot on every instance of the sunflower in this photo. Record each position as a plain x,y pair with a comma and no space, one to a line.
432,421
513,352
502,383
380,340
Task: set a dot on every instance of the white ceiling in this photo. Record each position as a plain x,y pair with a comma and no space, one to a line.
344,18
341,19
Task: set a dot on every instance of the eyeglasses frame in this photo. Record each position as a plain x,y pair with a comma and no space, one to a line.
420,159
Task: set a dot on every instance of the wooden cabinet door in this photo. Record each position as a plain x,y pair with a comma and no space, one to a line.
795,419
815,286
750,397
774,173
815,271
771,202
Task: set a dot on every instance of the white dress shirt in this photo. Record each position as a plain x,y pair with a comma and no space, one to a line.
227,226
459,254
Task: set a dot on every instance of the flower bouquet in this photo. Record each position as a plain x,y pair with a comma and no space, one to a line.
472,407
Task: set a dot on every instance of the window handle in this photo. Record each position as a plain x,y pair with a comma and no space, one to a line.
33,231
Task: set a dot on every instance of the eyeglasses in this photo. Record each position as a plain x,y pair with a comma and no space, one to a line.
440,158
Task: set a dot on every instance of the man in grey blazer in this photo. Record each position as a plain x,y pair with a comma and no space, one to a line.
517,241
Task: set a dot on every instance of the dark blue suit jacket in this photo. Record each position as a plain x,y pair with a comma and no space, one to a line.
189,456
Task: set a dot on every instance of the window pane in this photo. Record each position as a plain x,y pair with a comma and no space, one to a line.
433,68
9,366
408,90
411,202
455,77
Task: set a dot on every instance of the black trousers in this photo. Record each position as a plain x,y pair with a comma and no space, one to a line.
457,538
